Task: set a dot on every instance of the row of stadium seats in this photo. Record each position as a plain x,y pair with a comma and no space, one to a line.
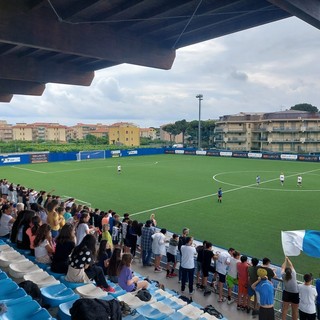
57,292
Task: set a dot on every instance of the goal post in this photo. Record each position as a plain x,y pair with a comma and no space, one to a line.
91,155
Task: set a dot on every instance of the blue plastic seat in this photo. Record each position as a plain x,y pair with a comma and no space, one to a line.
6,286
3,275
57,294
17,301
177,316
12,295
71,285
28,310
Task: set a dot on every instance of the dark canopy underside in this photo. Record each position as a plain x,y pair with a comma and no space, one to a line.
65,41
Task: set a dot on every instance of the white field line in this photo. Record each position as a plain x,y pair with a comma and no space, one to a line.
26,169
210,195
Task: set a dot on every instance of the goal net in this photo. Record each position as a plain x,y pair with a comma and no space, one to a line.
91,155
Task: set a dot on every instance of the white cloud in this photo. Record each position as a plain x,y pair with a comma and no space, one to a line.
261,69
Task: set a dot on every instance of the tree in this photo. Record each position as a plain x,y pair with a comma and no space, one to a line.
305,107
171,129
182,126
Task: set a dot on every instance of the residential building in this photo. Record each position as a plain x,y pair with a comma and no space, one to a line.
148,133
165,136
5,131
24,132
50,131
81,130
124,133
289,131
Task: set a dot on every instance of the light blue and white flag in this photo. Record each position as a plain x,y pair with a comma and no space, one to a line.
308,241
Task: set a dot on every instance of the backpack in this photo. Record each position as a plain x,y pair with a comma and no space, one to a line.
144,295
95,309
32,289
213,311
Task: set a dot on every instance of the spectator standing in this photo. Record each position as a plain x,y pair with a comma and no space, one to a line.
146,243
264,288
223,262
307,295
253,277
243,298
182,241
290,294
188,252
232,276
172,255
158,248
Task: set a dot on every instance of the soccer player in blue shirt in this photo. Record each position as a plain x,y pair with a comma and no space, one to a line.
220,195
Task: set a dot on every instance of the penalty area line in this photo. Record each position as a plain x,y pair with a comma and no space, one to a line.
28,170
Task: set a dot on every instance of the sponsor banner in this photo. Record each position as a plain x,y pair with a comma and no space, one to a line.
308,158
130,153
169,151
254,155
179,151
115,152
39,157
201,152
226,154
189,152
213,153
11,160
271,156
289,157
240,154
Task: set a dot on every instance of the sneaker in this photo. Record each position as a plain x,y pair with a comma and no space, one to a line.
168,276
157,270
230,301
223,299
191,293
198,285
242,308
207,293
173,274
248,309
179,281
238,307
109,289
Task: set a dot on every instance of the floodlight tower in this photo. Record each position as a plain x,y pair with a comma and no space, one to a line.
200,98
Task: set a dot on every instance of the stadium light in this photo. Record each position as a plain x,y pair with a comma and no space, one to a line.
199,97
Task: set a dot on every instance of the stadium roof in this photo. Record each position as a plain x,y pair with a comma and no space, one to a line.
59,41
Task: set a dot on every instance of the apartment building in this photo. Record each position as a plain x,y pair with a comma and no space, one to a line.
24,132
124,133
50,131
285,131
148,133
5,131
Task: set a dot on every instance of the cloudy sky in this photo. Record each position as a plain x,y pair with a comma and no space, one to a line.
264,69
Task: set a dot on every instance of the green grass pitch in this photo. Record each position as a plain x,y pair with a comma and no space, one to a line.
181,191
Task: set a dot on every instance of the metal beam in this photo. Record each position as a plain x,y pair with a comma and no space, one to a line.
5,97
306,10
21,87
30,69
41,29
